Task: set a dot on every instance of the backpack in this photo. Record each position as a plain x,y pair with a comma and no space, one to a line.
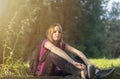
34,61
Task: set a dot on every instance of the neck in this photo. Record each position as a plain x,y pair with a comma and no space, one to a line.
56,43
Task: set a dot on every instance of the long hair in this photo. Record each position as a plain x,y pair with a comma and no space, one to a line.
50,33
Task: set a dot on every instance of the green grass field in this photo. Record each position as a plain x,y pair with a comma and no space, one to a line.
21,69
106,63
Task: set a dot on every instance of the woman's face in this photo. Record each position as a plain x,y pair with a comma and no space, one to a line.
56,33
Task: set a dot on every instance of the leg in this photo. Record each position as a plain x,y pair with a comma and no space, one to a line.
104,73
90,68
53,60
49,66
99,73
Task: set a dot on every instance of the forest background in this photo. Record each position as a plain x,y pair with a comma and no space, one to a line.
88,25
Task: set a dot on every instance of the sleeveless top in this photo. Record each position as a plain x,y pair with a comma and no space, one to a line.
43,50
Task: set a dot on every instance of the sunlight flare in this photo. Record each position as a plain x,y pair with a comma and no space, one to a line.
2,5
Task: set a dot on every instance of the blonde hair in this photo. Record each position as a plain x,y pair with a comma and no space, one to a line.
50,33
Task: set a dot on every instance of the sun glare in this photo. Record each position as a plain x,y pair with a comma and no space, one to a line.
2,5
116,0
110,4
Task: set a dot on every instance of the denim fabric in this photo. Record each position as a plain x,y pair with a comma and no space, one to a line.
53,61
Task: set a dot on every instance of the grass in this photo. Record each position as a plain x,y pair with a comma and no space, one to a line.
106,63
21,69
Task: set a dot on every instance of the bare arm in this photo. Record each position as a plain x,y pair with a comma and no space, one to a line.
58,52
78,53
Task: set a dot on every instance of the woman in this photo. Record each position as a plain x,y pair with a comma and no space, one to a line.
54,60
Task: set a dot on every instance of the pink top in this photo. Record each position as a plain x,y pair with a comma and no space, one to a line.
42,52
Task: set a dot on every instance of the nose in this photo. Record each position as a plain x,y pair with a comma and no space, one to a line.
57,33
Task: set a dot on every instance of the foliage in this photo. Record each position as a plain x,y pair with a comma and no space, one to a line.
104,63
112,25
13,68
25,22
87,26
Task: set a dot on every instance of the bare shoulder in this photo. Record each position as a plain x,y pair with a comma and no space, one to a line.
48,45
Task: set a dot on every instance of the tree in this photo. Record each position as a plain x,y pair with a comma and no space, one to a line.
81,21
92,27
112,30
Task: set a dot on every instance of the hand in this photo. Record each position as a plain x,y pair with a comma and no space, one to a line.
80,66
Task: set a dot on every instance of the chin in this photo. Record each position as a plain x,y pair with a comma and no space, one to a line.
56,40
